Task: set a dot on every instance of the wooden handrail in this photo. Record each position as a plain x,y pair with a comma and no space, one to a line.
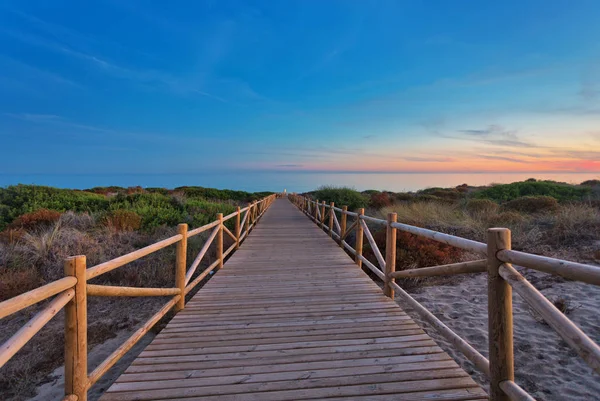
21,337
34,296
72,291
502,277
130,257
116,291
475,266
571,270
587,349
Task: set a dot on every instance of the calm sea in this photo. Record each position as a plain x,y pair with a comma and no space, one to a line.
292,181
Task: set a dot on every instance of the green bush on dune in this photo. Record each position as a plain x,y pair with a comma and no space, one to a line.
341,196
155,207
559,191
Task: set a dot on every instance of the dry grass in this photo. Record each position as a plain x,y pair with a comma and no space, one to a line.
555,233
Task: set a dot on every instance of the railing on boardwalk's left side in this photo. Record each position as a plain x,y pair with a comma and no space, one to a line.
71,293
502,279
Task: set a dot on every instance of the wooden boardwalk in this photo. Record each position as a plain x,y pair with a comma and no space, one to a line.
291,317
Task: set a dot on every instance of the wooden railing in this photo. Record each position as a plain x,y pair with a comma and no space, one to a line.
71,293
497,261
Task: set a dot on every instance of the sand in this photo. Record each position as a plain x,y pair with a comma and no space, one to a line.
54,389
545,365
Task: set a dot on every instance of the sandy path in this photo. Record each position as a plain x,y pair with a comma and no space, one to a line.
544,364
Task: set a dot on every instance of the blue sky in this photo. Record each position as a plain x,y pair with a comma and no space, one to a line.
114,87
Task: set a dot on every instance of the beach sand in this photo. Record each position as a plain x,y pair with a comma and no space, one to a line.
545,366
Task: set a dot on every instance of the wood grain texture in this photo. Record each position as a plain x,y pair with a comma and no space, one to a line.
292,318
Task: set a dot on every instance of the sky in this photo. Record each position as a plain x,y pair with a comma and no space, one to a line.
180,88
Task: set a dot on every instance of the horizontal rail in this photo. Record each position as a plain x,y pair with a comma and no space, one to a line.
130,257
471,353
229,250
32,297
131,341
372,267
373,219
205,227
515,392
475,266
348,247
470,245
197,280
577,339
201,254
116,291
571,270
21,337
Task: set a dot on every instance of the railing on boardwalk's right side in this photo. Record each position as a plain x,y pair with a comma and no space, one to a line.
497,261
72,291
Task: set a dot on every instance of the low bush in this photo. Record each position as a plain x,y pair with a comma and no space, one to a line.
508,192
442,193
123,220
404,196
379,200
590,183
532,204
414,251
481,206
341,196
39,218
505,219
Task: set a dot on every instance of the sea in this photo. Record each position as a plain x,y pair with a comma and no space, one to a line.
290,181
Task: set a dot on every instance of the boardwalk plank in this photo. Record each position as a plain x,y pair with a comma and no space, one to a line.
291,317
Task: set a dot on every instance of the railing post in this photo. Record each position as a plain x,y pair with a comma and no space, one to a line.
316,212
323,214
247,222
343,220
220,240
359,238
390,255
181,265
500,318
331,211
76,374
237,227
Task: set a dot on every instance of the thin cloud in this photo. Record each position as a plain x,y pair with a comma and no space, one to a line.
429,159
493,135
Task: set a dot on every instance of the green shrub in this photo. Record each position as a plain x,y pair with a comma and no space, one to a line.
342,196
403,196
442,193
484,206
507,192
20,199
532,204
590,183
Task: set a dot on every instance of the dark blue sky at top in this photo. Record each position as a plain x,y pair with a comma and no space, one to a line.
110,87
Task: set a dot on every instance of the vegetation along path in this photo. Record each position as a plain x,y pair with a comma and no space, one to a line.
292,317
